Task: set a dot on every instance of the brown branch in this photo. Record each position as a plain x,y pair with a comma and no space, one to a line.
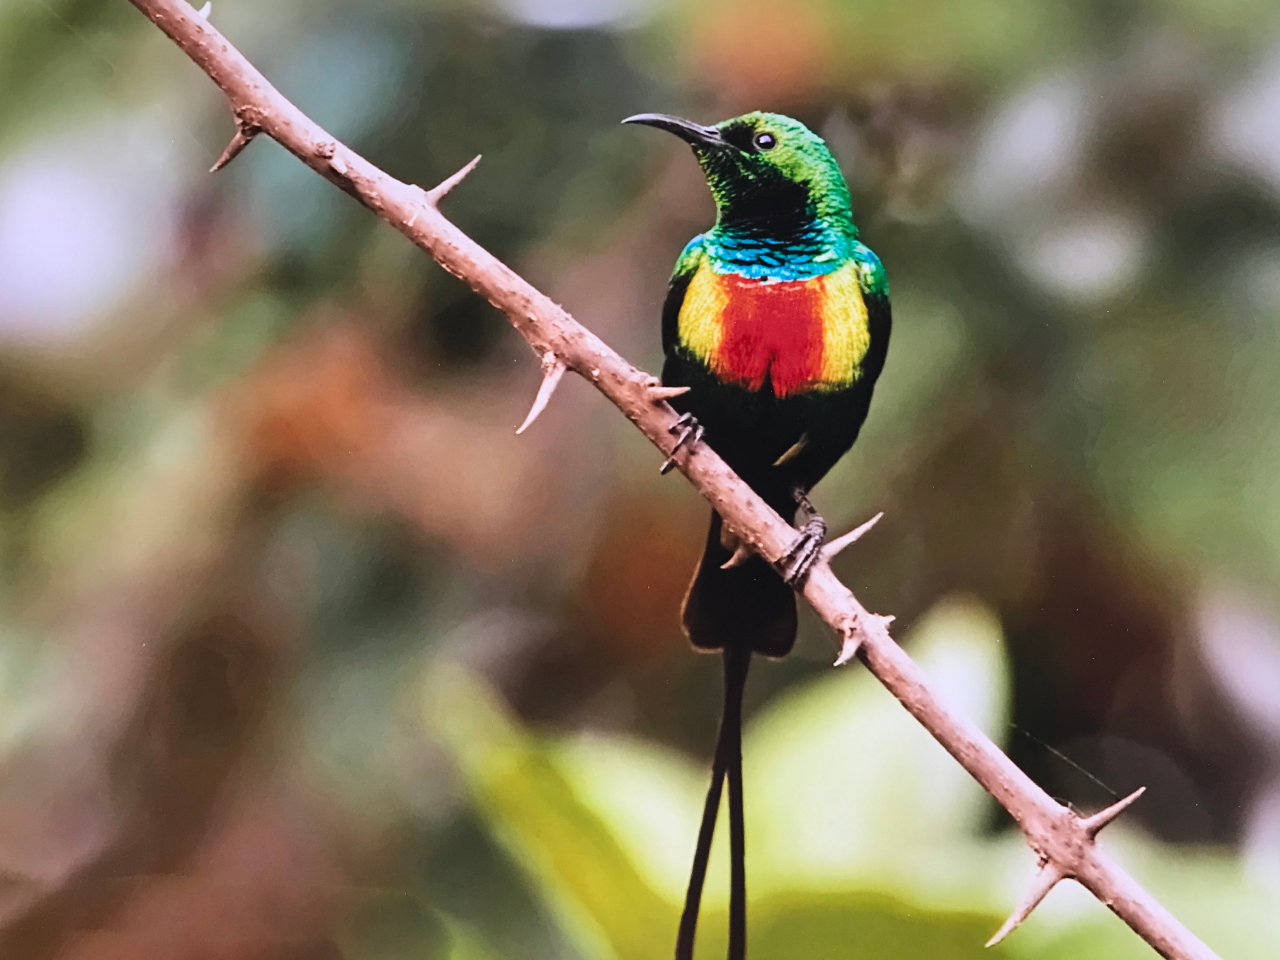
1057,835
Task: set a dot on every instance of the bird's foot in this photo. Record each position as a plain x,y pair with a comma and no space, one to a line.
805,551
687,431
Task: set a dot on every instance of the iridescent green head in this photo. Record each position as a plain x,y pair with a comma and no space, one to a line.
763,166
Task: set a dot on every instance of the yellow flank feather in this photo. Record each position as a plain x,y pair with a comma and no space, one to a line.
845,333
699,322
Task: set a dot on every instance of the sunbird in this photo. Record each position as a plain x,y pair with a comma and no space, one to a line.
777,320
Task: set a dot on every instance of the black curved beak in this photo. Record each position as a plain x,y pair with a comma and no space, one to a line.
691,133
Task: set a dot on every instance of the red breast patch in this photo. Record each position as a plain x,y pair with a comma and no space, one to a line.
773,329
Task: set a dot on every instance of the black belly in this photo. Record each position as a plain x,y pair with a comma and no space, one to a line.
753,429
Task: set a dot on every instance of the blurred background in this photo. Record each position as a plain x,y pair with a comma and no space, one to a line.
304,654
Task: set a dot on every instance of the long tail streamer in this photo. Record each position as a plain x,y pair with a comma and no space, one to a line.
728,761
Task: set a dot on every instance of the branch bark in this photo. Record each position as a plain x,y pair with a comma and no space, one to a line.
1060,838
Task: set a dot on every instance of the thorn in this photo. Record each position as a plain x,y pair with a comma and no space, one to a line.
204,11
741,555
1044,881
658,393
1092,825
850,644
553,369
436,193
244,135
839,543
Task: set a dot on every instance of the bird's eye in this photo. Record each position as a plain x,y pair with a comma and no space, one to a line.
765,141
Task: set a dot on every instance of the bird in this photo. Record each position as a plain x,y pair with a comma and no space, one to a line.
777,322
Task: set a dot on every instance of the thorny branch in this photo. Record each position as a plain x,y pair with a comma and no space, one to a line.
1062,840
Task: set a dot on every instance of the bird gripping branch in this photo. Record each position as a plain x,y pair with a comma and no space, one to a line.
777,321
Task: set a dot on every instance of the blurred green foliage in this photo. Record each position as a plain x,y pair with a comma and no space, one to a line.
865,838
257,467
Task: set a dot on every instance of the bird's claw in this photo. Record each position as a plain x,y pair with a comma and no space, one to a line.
804,552
798,561
690,432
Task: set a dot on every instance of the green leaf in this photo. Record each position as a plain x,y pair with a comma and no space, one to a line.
464,944
391,924
651,799
864,837
855,926
601,900
844,787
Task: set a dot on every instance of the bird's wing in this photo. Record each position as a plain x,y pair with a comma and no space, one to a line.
686,266
875,294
